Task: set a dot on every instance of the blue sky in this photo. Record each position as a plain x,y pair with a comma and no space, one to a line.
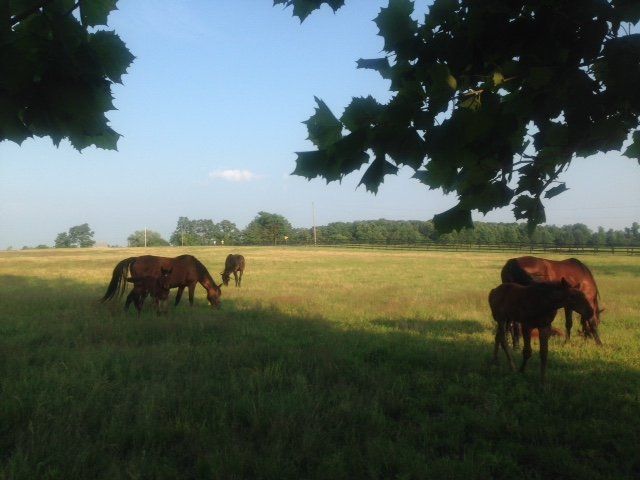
210,114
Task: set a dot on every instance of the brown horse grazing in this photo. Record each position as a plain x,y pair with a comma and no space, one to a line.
233,264
158,288
533,306
186,271
526,270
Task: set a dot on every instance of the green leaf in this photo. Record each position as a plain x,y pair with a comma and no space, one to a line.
455,218
557,190
96,12
11,127
540,76
395,24
633,150
112,54
381,65
472,102
303,8
361,113
531,209
310,164
323,127
374,175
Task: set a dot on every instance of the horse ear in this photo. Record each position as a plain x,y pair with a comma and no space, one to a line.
564,282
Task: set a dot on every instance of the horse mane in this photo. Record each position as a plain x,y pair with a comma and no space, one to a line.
586,270
203,273
513,272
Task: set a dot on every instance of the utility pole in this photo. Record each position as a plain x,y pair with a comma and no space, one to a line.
315,236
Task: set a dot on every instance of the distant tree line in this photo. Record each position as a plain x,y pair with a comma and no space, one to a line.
413,231
274,229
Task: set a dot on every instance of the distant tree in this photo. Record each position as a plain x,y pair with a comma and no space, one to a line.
600,237
267,228
154,239
228,232
77,236
63,241
81,235
42,247
484,95
185,233
301,236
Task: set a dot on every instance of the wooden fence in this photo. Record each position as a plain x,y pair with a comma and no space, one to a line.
514,247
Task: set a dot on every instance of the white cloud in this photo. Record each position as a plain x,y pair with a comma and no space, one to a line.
235,175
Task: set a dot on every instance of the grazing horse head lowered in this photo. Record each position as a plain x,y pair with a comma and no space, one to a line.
186,272
233,264
527,270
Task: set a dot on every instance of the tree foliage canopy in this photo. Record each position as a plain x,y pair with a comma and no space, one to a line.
491,101
56,71
76,236
150,238
267,228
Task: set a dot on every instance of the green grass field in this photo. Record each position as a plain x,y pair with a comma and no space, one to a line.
324,365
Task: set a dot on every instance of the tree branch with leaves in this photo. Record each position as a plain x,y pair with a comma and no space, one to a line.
58,71
491,100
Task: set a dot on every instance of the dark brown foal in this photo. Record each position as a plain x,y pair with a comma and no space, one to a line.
533,306
157,287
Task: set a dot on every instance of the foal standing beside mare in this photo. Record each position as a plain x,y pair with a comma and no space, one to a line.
527,270
533,306
233,264
186,272
158,288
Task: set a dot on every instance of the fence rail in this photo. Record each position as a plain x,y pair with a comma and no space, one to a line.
515,247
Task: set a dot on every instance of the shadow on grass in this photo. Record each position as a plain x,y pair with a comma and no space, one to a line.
90,392
433,327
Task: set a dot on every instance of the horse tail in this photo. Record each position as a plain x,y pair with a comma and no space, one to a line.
513,272
118,283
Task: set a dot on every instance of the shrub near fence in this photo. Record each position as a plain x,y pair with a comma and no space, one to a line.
512,247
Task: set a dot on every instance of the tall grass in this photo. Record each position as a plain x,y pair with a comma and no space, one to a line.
325,364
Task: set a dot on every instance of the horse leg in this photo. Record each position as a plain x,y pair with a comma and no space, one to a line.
240,279
235,276
496,346
594,331
501,337
545,333
192,289
179,294
526,350
139,302
568,323
130,298
515,334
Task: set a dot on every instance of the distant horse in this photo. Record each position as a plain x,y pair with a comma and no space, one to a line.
526,270
233,264
186,271
158,288
533,306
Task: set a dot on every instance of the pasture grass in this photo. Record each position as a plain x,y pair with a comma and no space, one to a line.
324,365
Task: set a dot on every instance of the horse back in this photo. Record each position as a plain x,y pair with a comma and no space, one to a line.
184,268
234,263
